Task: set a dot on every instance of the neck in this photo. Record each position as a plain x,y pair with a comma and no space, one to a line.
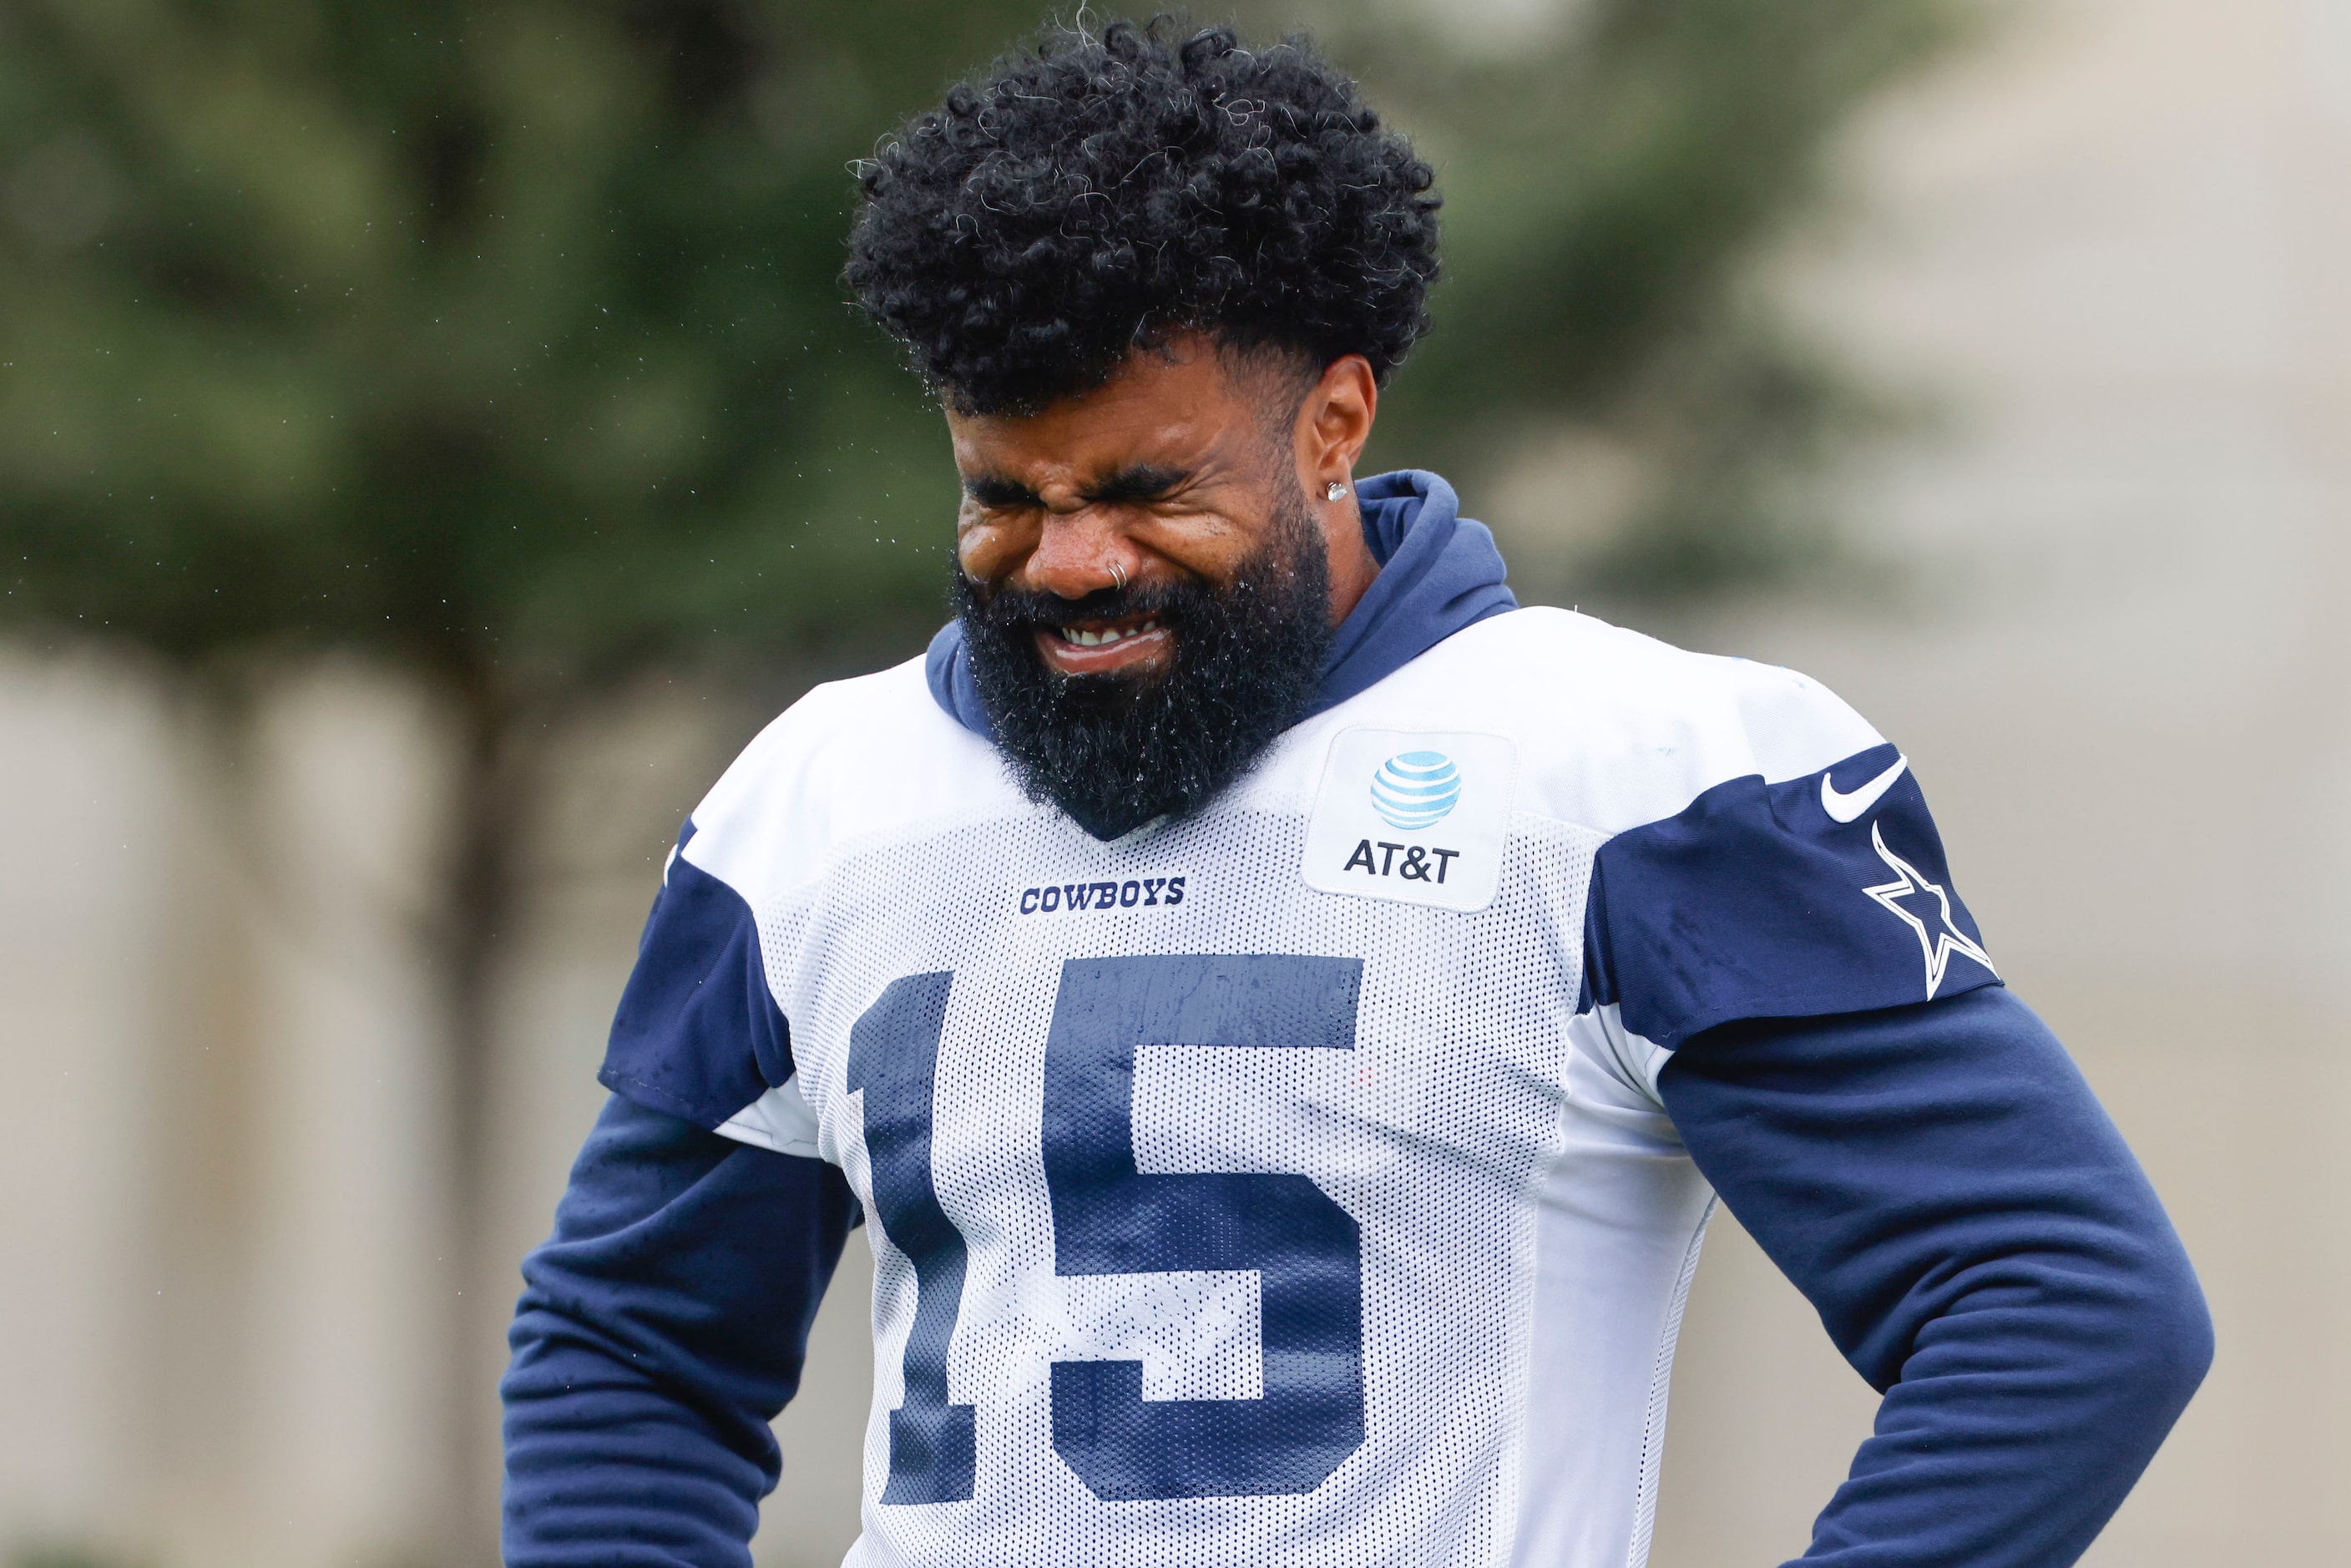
1353,567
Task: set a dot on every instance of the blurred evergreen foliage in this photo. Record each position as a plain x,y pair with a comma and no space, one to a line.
505,339
1612,177
501,339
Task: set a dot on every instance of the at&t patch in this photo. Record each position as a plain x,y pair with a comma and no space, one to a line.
1414,816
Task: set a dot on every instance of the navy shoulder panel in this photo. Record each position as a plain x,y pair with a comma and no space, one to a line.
698,1033
1822,894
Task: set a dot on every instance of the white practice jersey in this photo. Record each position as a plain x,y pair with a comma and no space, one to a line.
1289,1185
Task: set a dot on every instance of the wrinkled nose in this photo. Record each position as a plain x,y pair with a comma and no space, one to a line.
1079,552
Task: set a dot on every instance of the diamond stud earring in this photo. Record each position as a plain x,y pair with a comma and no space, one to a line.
1333,490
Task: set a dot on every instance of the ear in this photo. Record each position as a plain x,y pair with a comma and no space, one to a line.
1334,420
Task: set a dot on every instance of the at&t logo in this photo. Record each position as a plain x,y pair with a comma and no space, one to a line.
1415,790
1412,790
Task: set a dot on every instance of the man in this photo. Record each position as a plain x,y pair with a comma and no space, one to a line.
1286,1011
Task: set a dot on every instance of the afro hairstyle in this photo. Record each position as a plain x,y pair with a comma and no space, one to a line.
1100,192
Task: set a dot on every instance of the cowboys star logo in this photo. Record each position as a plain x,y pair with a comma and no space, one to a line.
1937,937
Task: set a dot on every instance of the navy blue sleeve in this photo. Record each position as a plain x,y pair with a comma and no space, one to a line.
661,1329
1942,1184
697,1034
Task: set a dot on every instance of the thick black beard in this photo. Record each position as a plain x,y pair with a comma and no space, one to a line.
1115,751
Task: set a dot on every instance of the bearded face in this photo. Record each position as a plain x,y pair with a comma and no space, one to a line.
1116,750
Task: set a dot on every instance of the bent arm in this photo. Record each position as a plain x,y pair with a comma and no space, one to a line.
1939,1182
660,1331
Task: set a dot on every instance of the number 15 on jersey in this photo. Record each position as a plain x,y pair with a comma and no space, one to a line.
1111,1218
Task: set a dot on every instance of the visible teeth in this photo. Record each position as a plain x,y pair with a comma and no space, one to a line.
1085,639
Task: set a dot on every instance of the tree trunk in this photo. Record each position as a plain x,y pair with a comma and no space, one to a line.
492,784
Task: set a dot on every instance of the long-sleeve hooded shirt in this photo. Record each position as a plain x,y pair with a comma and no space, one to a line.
1318,1179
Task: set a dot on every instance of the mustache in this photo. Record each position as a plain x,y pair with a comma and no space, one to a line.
1026,609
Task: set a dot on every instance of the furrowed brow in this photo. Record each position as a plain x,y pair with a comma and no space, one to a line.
1140,482
995,490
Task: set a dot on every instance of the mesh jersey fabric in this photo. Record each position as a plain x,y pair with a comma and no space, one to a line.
1166,1136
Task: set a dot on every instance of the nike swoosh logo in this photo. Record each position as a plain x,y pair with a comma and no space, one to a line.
1843,807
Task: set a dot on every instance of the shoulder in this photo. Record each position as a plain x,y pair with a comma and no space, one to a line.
1614,728
852,760
1765,851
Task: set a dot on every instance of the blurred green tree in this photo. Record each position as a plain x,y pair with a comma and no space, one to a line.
502,342
1614,170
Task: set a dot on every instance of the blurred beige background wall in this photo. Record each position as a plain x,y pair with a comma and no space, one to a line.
2116,245
2123,241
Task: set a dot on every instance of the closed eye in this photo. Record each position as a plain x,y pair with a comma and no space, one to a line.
1139,484
999,493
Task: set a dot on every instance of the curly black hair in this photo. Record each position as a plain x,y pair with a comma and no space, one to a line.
1097,194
